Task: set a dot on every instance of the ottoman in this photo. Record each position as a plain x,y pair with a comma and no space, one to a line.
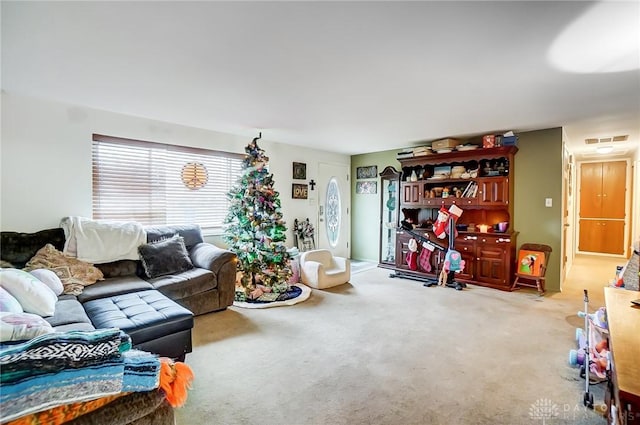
154,322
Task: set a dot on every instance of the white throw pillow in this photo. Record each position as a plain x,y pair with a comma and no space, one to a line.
34,296
8,302
22,326
49,278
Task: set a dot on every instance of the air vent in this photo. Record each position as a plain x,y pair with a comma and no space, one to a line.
622,138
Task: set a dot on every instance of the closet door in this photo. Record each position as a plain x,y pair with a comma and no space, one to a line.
612,237
590,236
614,176
591,190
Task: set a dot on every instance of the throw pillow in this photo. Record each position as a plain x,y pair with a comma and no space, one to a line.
22,326
164,257
74,274
8,303
49,278
34,296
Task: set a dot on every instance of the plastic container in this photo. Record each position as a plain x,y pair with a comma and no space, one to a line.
508,140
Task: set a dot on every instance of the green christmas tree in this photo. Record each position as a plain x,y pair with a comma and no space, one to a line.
255,229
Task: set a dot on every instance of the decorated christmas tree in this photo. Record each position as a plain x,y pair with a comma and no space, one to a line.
255,229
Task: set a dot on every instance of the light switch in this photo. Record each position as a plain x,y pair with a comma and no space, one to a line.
548,202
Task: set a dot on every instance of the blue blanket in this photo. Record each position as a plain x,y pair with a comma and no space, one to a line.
62,368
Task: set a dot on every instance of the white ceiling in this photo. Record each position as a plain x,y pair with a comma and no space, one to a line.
350,77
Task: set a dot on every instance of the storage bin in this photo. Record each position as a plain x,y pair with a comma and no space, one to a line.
444,144
509,140
489,141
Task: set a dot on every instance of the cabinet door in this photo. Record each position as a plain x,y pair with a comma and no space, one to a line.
603,236
402,249
466,246
614,177
612,236
591,190
411,193
492,267
590,236
389,205
493,191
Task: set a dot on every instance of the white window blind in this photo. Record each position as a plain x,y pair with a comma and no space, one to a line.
143,181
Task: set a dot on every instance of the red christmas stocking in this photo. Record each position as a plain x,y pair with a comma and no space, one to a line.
412,255
454,213
425,256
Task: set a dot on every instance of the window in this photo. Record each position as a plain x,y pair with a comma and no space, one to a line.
154,183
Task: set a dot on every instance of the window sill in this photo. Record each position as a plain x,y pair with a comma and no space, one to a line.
212,231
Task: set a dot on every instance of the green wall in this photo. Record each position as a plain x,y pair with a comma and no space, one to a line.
365,209
538,175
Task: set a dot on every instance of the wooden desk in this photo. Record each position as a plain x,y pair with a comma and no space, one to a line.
624,342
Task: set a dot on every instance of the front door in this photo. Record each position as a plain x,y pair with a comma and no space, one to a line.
334,202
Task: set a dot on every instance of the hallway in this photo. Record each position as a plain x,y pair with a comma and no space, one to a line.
593,273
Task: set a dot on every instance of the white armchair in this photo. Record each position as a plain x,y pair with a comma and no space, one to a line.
320,269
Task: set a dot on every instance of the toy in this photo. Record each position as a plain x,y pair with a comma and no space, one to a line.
593,349
453,263
442,225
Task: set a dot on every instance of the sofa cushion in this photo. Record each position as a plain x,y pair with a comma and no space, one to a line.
144,315
165,257
17,248
182,285
113,286
120,268
191,233
70,315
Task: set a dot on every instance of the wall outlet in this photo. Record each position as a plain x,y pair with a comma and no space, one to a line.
548,202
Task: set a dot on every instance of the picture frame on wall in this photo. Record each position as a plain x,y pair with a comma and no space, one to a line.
367,172
299,171
367,187
299,191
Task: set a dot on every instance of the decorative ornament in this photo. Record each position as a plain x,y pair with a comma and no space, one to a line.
194,175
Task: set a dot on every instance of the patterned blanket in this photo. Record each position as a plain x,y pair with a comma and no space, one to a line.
61,368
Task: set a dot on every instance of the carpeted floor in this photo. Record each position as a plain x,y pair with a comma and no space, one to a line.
361,266
390,351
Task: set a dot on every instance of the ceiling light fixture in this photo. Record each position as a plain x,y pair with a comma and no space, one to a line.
604,149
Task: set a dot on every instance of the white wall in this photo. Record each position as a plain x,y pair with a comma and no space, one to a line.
635,211
45,163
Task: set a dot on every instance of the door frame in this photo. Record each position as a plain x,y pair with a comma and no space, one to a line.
569,209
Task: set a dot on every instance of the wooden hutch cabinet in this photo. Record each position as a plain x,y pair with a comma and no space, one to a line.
484,191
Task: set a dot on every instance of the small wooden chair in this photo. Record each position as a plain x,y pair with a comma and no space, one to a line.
533,281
